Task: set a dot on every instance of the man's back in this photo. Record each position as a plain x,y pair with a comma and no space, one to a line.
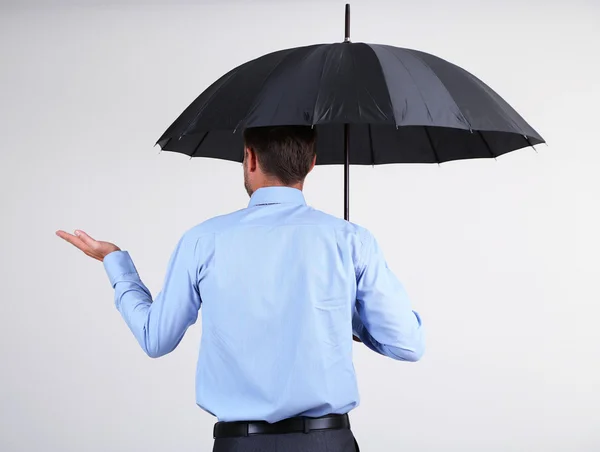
277,310
278,292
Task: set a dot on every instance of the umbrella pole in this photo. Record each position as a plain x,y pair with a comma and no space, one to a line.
346,173
347,138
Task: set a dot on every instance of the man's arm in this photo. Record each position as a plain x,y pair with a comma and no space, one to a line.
158,325
383,319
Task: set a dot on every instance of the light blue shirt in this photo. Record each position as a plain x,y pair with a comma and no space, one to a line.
283,287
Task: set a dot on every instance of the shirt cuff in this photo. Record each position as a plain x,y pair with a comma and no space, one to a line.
120,267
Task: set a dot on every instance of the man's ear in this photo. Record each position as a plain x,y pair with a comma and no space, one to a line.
250,159
314,162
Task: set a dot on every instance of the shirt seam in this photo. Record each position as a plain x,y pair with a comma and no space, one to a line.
199,262
362,257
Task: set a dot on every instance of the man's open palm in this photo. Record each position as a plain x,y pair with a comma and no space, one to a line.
93,248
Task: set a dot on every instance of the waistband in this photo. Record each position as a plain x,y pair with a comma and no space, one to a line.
298,424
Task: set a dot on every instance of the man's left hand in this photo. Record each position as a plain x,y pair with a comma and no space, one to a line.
93,248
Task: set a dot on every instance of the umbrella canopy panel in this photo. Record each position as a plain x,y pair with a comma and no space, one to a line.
403,106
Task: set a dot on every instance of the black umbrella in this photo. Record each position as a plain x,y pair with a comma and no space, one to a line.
371,104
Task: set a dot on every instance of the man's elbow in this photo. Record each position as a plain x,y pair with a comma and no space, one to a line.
154,354
156,351
416,354
412,352
156,346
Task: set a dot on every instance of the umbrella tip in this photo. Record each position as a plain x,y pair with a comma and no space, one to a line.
530,145
347,34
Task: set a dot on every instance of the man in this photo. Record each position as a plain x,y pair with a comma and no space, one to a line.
284,288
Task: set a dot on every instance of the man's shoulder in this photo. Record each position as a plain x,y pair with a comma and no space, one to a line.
215,224
339,224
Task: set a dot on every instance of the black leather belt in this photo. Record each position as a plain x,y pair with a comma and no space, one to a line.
291,425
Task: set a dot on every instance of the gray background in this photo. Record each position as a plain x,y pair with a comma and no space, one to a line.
500,257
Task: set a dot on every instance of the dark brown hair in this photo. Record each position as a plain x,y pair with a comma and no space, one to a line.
285,152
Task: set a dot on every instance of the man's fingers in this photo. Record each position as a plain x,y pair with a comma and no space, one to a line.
90,242
74,240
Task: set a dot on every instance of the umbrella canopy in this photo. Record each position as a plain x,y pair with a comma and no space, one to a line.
371,104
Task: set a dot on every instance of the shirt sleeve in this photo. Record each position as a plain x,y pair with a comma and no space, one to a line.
157,325
383,319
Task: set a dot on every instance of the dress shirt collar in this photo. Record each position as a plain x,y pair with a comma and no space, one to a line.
277,195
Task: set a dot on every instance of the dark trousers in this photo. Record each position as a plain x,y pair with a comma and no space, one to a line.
315,441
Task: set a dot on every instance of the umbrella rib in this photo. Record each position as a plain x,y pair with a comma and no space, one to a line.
437,158
199,144
371,144
487,145
529,142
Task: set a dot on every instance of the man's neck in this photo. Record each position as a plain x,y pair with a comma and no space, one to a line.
275,183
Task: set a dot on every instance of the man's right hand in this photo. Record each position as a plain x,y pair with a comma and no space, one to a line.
93,248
